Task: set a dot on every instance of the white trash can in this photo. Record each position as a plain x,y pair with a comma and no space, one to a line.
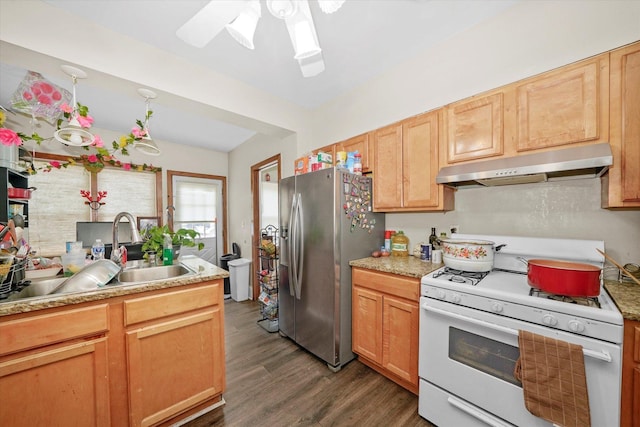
239,278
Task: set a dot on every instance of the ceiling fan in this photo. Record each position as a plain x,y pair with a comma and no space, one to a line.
240,19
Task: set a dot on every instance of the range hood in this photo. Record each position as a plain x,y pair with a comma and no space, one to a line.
575,162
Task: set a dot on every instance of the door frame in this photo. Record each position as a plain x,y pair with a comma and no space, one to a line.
222,179
255,197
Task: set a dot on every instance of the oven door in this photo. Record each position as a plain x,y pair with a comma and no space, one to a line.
469,355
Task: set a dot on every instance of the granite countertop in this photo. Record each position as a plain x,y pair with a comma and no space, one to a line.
626,295
204,271
404,266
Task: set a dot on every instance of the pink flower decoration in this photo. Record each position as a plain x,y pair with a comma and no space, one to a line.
97,142
56,96
92,158
66,108
55,164
27,95
85,122
126,166
46,87
9,137
138,133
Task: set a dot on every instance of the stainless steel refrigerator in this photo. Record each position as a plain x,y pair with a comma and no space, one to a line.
326,220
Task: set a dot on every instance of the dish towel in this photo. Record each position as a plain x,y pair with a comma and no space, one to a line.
553,380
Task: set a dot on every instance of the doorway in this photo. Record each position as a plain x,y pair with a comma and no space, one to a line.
198,202
265,177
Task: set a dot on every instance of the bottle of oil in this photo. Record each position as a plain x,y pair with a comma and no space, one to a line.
433,239
399,244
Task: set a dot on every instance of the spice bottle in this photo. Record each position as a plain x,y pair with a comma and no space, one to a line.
357,164
399,244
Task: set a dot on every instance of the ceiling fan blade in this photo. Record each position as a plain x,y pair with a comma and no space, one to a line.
209,21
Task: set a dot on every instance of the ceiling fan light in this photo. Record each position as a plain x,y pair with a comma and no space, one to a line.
282,9
306,44
330,6
243,28
147,146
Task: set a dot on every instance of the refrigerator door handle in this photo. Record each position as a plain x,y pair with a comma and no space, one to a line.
292,247
300,249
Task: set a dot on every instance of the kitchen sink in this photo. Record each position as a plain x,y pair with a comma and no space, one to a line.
149,274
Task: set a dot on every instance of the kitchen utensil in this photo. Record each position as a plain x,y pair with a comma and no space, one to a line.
20,193
635,279
567,278
469,255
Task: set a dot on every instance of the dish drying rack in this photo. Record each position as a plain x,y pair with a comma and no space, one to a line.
12,274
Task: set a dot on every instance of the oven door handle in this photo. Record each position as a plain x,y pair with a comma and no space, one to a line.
600,355
476,413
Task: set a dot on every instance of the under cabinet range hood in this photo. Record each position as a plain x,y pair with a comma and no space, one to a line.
574,162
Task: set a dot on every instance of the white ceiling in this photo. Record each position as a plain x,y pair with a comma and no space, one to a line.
362,40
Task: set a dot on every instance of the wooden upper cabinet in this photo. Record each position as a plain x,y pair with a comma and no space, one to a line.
387,166
420,165
621,185
564,106
475,128
360,144
406,161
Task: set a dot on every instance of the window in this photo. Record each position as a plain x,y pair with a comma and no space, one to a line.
57,204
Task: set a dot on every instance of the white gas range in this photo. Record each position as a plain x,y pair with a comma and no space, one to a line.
469,325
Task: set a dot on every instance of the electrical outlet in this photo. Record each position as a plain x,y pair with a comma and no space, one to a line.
454,228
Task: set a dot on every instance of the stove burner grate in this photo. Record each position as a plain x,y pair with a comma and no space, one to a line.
586,301
460,276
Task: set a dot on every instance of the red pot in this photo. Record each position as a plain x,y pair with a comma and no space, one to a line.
20,193
572,279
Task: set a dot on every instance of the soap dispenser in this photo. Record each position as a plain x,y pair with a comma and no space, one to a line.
167,251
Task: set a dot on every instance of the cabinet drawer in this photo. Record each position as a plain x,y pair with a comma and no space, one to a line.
157,306
393,284
37,331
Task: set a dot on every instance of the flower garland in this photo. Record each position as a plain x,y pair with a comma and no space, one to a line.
92,162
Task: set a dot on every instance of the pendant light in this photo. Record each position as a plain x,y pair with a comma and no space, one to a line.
147,145
74,134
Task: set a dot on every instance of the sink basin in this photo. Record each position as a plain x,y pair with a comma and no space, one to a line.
153,273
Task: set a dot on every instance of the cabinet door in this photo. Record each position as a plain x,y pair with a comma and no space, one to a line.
622,185
367,324
420,161
159,385
360,144
475,128
400,338
387,164
67,385
565,106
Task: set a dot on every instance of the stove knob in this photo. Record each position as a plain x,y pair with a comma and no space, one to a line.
496,307
576,326
440,294
456,298
549,320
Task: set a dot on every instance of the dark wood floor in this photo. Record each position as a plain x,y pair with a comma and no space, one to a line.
273,382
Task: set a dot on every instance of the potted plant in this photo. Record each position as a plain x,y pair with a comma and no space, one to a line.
154,240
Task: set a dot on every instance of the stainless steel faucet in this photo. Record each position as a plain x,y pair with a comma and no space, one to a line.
135,235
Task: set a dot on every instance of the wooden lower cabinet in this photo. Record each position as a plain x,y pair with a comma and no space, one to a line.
139,360
176,362
385,322
630,410
54,370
